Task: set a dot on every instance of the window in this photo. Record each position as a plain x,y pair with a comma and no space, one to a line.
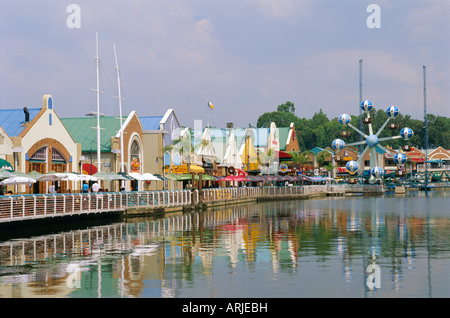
135,163
40,155
57,156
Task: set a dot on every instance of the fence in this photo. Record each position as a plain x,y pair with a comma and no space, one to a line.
223,194
29,207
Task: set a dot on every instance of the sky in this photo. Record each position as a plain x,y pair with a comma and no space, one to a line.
245,56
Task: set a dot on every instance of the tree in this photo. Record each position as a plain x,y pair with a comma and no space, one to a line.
281,119
320,119
299,158
319,131
287,107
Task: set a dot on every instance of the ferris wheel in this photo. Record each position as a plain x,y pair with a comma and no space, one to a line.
372,141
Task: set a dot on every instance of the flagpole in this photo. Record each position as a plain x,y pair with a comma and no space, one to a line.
209,109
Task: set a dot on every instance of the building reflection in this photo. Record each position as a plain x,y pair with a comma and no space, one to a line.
157,257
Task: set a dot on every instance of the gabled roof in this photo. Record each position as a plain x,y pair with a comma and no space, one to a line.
283,133
316,150
12,120
82,130
150,122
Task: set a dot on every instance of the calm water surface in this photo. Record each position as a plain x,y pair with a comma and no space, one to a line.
389,246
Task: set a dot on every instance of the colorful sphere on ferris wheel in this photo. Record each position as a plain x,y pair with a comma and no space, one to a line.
377,172
406,133
338,144
366,105
392,111
352,166
345,119
399,158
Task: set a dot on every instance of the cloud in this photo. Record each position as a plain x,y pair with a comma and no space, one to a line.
280,9
246,56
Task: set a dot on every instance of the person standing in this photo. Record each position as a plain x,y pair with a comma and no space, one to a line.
95,187
85,187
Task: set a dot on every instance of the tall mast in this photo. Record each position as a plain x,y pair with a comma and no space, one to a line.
120,110
426,126
98,103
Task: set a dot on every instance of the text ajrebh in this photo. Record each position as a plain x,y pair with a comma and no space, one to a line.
239,308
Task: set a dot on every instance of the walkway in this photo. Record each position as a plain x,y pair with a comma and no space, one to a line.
32,207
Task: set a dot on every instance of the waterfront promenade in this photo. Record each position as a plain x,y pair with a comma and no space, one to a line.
15,208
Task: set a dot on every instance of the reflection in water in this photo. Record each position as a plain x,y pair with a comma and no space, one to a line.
390,246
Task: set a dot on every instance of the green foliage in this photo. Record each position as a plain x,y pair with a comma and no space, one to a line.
287,107
319,131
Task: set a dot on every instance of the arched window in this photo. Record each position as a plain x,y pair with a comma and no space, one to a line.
135,157
40,155
57,157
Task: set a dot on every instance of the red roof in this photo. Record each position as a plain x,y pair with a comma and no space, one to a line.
283,155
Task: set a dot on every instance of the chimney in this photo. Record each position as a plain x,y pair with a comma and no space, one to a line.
27,114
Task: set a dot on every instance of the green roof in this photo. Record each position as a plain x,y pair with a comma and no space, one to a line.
283,133
82,130
316,150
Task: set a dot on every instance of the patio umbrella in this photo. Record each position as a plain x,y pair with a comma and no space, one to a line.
173,177
150,177
116,176
87,177
234,178
160,177
277,178
186,176
18,180
207,177
34,174
5,174
52,176
256,178
136,176
103,176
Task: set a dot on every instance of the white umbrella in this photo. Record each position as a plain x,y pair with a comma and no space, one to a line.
52,176
144,177
72,177
149,177
136,176
18,180
5,174
87,177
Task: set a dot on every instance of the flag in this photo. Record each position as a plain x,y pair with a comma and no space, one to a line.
210,105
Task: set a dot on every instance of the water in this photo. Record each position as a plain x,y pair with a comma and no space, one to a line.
374,247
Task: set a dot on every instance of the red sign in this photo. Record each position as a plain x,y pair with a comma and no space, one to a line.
89,169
